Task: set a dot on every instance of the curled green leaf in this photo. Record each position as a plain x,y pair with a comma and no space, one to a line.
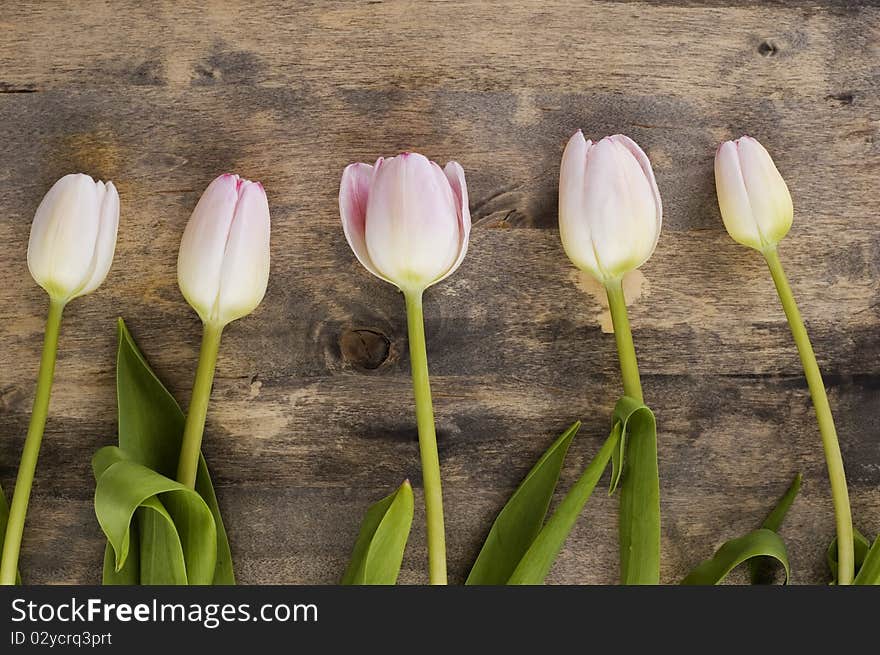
623,411
759,567
520,520
378,551
124,487
639,515
759,543
130,573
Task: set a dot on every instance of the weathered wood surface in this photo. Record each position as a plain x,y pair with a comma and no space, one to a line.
307,424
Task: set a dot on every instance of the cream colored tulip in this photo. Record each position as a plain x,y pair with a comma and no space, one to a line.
610,211
223,262
73,236
754,199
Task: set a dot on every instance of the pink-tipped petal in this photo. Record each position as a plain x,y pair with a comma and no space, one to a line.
354,192
245,272
455,174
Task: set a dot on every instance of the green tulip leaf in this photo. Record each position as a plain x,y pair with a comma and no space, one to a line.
520,520
623,411
4,519
162,560
223,573
759,543
760,568
535,564
150,420
378,551
861,548
129,574
748,548
639,478
174,522
150,433
869,571
777,514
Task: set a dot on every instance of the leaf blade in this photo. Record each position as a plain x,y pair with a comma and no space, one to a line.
861,549
869,573
123,486
150,420
538,559
150,432
777,514
129,574
378,551
162,560
758,543
521,518
639,511
223,573
758,566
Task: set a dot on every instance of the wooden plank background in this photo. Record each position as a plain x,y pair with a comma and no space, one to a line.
311,416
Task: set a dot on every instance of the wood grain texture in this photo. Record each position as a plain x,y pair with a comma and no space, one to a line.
311,417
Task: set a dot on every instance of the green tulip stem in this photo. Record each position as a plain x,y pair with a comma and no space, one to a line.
31,451
639,508
188,465
629,366
427,438
833,458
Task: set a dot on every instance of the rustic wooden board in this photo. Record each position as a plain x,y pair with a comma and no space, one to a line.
311,420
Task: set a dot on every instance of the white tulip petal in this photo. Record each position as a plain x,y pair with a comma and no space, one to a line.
63,236
733,198
645,164
455,175
412,224
354,190
245,271
768,194
105,245
574,227
202,248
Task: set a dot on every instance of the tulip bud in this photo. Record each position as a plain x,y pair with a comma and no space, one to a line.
609,206
223,263
73,236
406,219
754,200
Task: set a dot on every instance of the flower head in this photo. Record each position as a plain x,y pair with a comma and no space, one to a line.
223,263
610,211
73,236
406,219
754,199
